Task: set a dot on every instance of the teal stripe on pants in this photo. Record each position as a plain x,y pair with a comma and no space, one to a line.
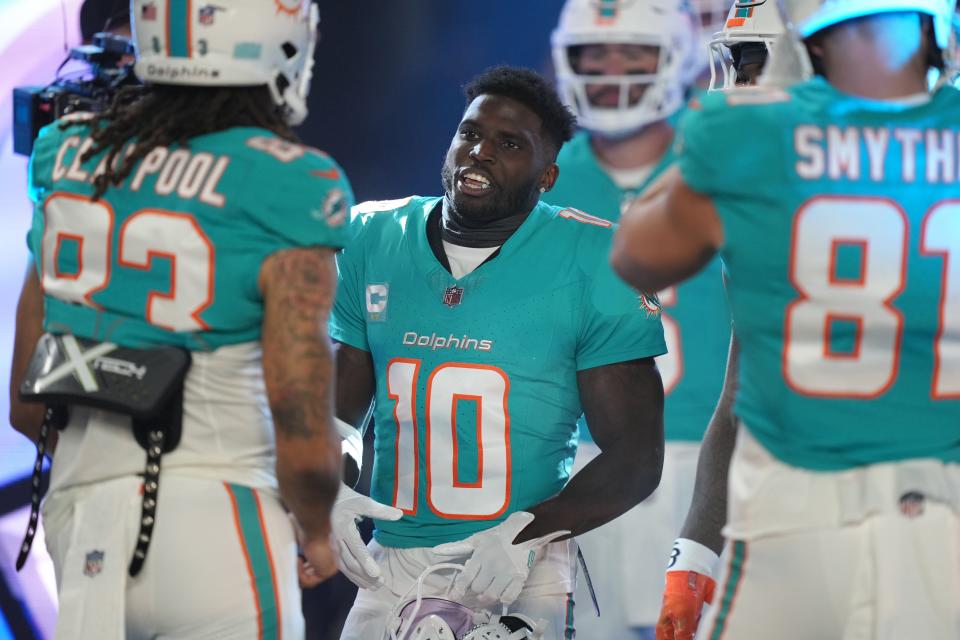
569,633
254,540
737,561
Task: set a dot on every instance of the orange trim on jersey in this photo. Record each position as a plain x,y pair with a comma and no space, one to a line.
858,343
281,8
803,297
327,174
88,296
151,254
396,445
736,22
56,256
478,400
246,556
942,313
835,245
273,567
506,441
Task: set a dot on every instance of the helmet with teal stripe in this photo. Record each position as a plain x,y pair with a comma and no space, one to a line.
232,43
664,26
747,39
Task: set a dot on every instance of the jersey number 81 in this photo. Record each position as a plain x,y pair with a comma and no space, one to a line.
878,229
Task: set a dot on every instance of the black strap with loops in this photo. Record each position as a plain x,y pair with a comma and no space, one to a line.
56,417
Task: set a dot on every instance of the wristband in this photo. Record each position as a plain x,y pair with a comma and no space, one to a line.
689,555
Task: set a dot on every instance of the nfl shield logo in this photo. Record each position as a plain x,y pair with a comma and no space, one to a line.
911,504
93,564
207,13
148,12
452,295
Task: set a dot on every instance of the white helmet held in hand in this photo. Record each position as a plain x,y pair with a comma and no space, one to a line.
664,26
747,38
439,618
229,44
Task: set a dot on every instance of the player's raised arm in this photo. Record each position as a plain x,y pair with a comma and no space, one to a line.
665,239
298,287
24,417
690,570
623,404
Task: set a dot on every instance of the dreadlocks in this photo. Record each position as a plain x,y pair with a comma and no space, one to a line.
166,115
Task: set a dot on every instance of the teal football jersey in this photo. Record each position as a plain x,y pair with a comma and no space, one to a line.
696,319
841,219
476,395
172,255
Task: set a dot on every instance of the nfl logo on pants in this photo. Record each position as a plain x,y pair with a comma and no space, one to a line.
93,563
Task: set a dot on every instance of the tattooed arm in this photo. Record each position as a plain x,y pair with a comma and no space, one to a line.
298,287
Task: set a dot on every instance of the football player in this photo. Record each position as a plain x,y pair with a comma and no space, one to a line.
484,322
740,51
836,216
187,216
621,72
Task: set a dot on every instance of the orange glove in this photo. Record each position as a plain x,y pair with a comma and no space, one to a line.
683,598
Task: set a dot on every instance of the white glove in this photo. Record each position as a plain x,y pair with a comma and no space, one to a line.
497,569
352,555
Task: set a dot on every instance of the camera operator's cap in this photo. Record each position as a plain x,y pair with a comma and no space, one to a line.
234,43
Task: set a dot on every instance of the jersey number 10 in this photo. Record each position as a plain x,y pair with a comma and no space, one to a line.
879,228
448,496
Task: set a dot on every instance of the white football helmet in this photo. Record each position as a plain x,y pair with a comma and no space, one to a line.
665,24
439,618
755,22
710,16
235,43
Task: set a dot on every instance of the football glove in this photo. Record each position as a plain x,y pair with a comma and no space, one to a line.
353,557
688,585
497,569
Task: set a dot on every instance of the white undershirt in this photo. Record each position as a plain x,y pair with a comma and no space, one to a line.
629,178
464,260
